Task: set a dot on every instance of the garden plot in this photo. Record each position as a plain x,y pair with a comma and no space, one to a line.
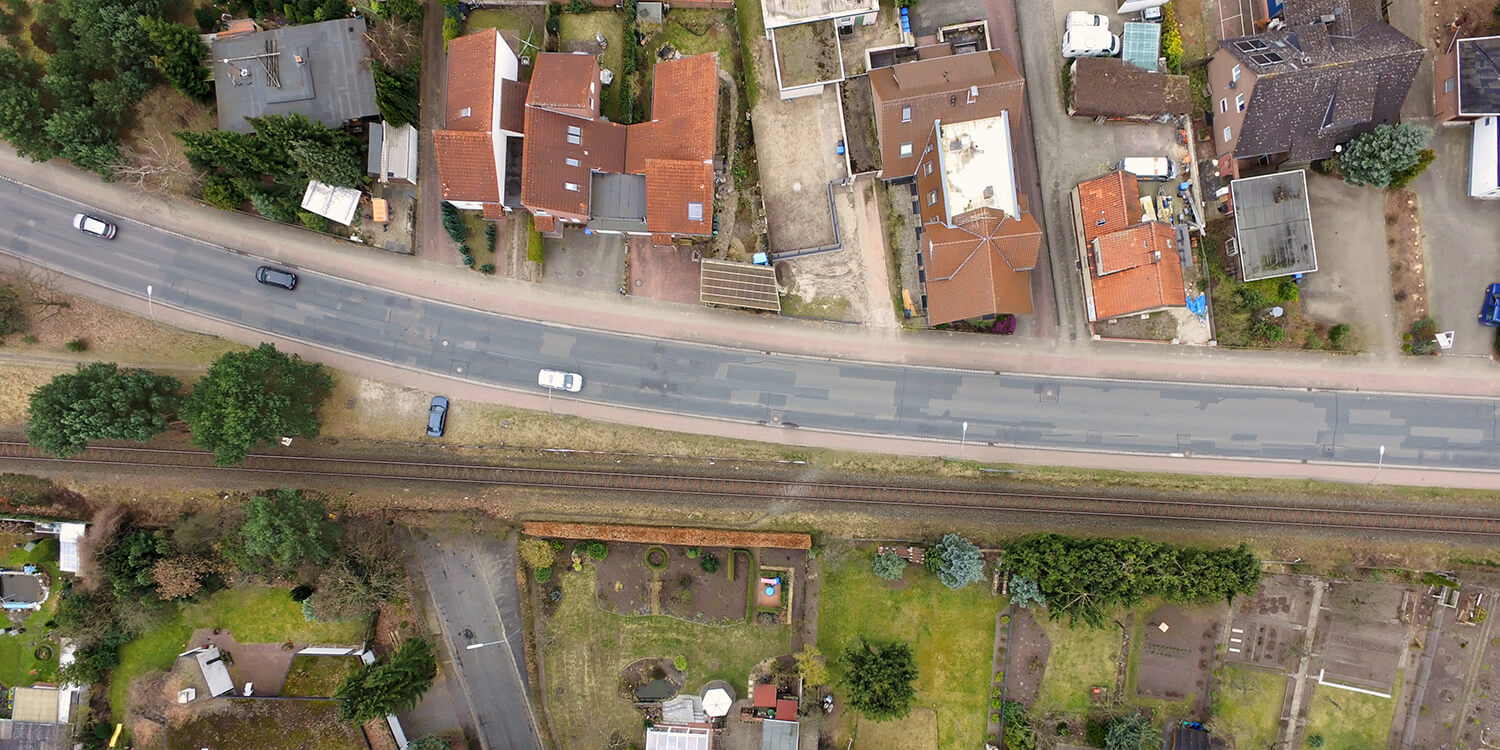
1027,662
1448,715
663,580
1363,642
1265,626
1176,662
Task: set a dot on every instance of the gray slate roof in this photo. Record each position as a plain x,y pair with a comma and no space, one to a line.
1273,225
331,85
778,735
24,735
619,202
1321,85
1479,76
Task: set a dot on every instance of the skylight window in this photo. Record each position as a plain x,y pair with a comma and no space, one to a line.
695,212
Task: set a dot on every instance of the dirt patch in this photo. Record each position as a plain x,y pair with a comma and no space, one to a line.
1403,231
807,53
1475,17
1158,326
680,587
247,722
1177,662
1267,626
1029,649
859,119
1364,639
670,273
264,665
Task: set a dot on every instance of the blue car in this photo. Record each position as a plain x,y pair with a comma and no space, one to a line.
437,417
1489,312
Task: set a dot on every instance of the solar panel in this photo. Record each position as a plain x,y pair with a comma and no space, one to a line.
739,285
1250,45
1269,58
1141,45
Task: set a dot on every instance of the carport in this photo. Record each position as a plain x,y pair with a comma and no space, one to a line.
739,285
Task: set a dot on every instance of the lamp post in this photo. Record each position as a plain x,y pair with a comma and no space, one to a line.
963,439
1379,462
473,646
149,308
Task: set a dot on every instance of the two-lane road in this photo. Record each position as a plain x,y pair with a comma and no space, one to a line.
755,387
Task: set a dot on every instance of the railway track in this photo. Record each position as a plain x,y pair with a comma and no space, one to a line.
842,493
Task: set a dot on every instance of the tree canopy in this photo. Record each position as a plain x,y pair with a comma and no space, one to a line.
1025,594
1382,155
879,677
386,688
888,566
1132,732
958,561
178,52
1085,579
397,93
811,666
288,528
252,397
99,402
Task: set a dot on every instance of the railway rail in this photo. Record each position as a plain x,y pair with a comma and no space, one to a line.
841,493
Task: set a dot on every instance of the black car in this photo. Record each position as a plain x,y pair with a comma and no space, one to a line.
437,416
276,277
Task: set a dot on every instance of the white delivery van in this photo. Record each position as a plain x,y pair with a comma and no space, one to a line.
1090,41
1150,167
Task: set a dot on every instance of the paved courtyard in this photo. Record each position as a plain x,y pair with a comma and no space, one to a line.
1459,232
1353,282
586,262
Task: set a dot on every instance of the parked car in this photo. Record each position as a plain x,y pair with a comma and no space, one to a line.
94,225
1090,41
571,382
276,277
1150,167
1489,312
1085,18
437,416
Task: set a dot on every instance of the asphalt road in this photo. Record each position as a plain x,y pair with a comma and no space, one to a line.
796,392
472,581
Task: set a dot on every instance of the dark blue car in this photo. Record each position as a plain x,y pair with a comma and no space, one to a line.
1489,312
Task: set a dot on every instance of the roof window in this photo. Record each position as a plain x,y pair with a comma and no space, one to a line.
695,212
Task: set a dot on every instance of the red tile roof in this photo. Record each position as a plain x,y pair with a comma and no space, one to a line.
670,186
982,266
471,81
466,165
1108,203
545,171
494,212
764,696
1148,283
786,710
684,114
565,82
544,223
513,106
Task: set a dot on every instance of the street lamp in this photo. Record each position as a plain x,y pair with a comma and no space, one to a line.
963,439
473,646
1380,462
149,308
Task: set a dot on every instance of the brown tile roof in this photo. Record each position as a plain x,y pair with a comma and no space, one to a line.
544,223
513,106
1110,87
684,114
471,81
494,212
670,186
969,266
561,81
938,89
1108,203
544,167
466,165
1144,282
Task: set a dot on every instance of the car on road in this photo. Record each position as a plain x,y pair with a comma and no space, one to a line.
276,277
437,416
1085,18
1489,312
94,225
571,382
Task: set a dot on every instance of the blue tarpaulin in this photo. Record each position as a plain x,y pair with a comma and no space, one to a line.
1198,304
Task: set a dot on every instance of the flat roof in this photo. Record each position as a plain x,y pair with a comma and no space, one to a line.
330,202
317,69
776,734
38,705
778,13
617,202
739,285
1273,225
215,671
1140,45
669,737
68,535
1479,76
978,166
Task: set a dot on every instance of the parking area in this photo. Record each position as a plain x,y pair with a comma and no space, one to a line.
1073,149
927,18
1353,281
668,273
1456,229
587,262
796,144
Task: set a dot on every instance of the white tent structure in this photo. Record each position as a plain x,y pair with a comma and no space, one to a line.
716,702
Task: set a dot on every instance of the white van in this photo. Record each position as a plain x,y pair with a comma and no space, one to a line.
1090,41
1150,167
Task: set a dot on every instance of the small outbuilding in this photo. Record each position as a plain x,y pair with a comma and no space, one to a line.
1273,226
215,671
671,737
776,734
315,69
330,202
1109,87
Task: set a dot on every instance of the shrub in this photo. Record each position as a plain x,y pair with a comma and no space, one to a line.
680,663
207,18
596,549
1385,154
535,553
534,245
452,28
1288,291
542,575
77,345
28,339
468,261
577,6
888,566
709,563
487,269
1425,158
555,595
465,250
490,234
692,553
1315,740
1338,336
556,545
453,223
656,558
222,193
554,19
1171,39
313,221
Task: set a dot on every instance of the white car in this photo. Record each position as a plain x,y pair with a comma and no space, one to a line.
571,382
1089,41
1085,18
94,225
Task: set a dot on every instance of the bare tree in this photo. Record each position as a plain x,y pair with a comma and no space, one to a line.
155,165
394,44
41,288
100,533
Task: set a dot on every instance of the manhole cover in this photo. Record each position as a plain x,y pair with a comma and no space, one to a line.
578,273
638,282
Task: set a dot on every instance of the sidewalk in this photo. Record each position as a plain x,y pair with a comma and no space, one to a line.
640,317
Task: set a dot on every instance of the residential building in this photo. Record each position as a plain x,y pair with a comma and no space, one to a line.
910,97
479,148
1129,266
316,69
1324,73
844,13
1108,87
651,178
1467,85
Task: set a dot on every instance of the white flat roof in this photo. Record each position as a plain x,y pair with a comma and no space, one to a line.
778,13
669,737
336,203
68,535
215,673
978,165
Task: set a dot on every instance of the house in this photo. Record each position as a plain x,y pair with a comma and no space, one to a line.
1273,226
1324,73
1108,87
479,148
1129,266
1467,85
651,178
909,98
316,69
39,719
393,153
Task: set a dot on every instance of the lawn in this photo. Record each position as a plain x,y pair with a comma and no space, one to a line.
313,676
526,22
807,53
1349,720
693,31
584,648
268,724
18,662
254,614
918,731
583,27
1082,658
951,633
1248,705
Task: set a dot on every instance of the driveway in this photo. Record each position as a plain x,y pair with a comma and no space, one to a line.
1070,149
430,242
1353,282
586,262
471,579
1462,254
